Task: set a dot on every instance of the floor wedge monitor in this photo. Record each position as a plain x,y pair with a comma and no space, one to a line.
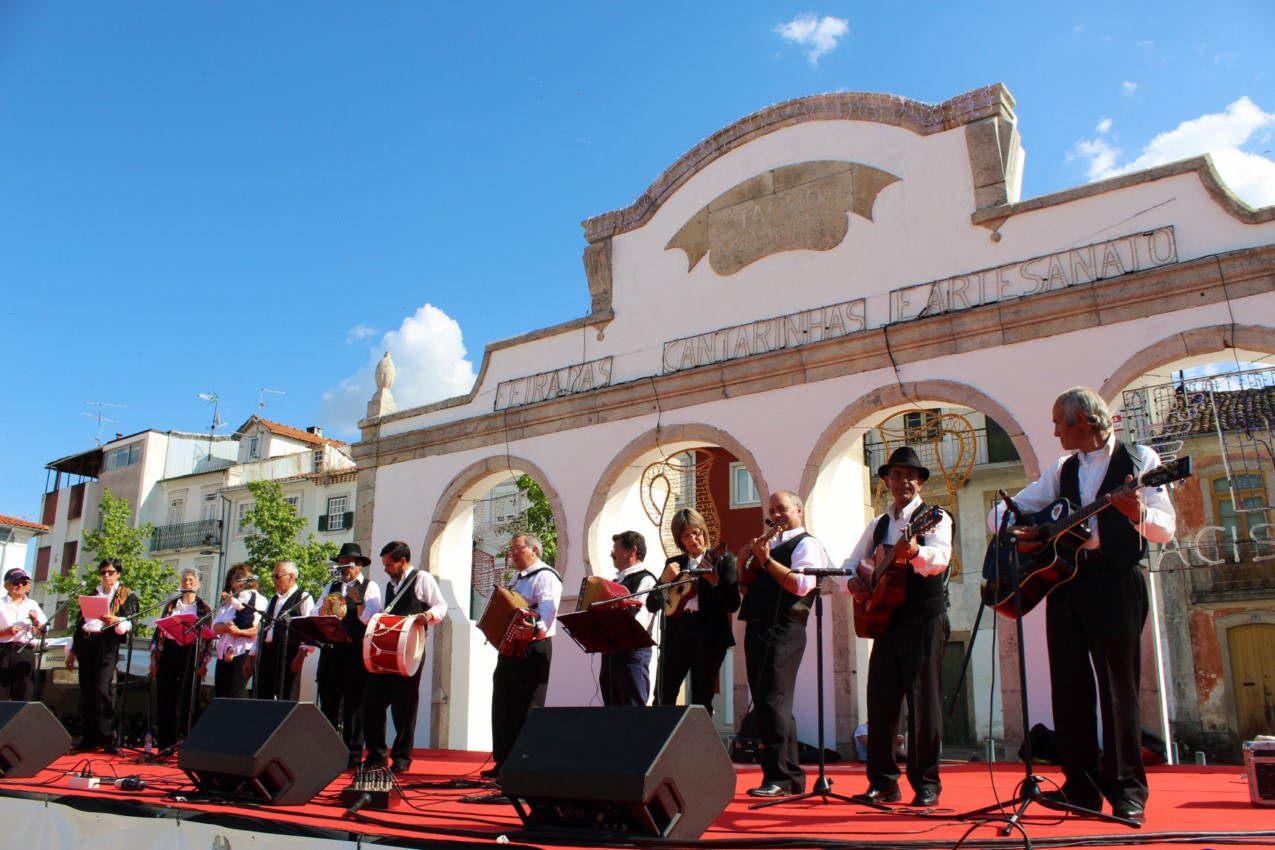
278,752
30,739
652,771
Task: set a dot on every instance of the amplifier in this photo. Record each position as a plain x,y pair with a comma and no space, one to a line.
1259,765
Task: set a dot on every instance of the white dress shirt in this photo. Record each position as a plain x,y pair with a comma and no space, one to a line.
426,589
543,591
931,559
19,614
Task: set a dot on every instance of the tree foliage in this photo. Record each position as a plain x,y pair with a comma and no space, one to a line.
152,580
274,530
537,519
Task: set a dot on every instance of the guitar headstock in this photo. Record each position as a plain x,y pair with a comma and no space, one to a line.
919,525
1167,473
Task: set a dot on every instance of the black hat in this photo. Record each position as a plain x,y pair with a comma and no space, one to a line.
354,552
904,456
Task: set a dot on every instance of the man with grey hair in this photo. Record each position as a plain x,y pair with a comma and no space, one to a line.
178,669
1093,622
278,655
521,682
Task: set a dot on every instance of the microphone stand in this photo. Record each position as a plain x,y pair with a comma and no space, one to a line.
42,640
823,785
191,683
1030,788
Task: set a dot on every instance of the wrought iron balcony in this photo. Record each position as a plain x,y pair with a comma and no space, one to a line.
1232,571
187,535
989,447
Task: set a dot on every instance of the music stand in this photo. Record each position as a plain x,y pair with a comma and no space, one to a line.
1030,788
184,630
321,630
605,628
823,785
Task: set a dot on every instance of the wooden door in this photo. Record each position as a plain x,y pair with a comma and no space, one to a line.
1252,649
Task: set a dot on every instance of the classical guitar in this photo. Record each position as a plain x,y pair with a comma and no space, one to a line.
1050,560
887,586
676,597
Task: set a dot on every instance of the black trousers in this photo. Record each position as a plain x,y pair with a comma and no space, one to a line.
174,692
17,672
772,655
401,695
907,666
342,678
1093,626
625,677
273,670
96,659
688,650
228,678
518,686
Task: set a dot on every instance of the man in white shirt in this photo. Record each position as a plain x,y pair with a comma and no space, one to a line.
278,655
1093,622
625,676
408,592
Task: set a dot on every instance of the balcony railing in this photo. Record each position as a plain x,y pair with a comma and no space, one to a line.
187,535
989,447
1247,567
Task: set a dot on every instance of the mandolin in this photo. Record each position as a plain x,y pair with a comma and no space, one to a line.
685,588
750,568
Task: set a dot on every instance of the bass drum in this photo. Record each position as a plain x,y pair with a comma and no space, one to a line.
394,644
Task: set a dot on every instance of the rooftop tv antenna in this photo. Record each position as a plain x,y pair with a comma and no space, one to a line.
215,400
261,397
99,417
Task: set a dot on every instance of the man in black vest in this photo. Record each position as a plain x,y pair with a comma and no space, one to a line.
907,661
1093,623
278,655
341,670
776,606
625,676
409,591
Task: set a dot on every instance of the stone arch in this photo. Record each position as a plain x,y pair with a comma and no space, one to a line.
471,475
893,395
691,433
1190,343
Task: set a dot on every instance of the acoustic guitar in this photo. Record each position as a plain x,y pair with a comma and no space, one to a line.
676,597
888,584
1050,559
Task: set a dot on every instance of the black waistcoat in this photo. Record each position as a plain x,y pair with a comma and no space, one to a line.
926,596
767,601
1119,541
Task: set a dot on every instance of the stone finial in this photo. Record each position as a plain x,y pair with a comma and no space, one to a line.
382,401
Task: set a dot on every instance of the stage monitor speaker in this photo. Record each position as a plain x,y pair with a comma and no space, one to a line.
30,739
655,771
273,751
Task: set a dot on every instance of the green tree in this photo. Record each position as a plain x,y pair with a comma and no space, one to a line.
538,519
153,581
274,535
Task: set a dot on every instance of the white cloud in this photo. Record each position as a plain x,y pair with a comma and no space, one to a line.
1103,126
1251,176
359,332
814,35
1128,89
429,363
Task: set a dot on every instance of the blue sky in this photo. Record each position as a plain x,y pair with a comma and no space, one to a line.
222,197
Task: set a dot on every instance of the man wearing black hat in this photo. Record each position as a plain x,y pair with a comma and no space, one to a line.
341,671
907,660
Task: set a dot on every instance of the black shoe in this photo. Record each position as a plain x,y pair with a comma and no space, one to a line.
400,765
353,762
1129,810
490,773
374,764
770,789
877,796
926,799
1060,798
82,747
110,749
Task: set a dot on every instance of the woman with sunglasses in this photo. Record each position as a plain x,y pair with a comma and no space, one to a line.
96,648
20,620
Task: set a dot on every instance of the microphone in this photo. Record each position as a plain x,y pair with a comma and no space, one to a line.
698,571
1011,505
359,802
770,522
130,783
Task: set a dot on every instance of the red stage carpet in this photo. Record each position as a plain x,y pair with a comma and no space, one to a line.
1199,806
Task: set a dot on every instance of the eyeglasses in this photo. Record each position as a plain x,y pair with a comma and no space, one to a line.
108,572
20,581
278,576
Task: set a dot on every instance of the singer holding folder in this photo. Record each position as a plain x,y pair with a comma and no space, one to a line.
178,665
698,633
95,648
907,661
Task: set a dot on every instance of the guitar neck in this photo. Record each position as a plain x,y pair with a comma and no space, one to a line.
1079,515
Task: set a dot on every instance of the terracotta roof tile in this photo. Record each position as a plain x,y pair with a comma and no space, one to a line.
14,522
297,434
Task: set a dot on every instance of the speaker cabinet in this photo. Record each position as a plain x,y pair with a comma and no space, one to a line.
656,771
30,739
272,751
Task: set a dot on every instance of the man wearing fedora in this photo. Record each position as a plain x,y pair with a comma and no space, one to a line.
341,671
907,661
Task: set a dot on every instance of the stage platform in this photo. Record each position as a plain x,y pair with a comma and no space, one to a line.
445,804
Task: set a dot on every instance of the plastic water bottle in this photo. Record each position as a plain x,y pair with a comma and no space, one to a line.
150,743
